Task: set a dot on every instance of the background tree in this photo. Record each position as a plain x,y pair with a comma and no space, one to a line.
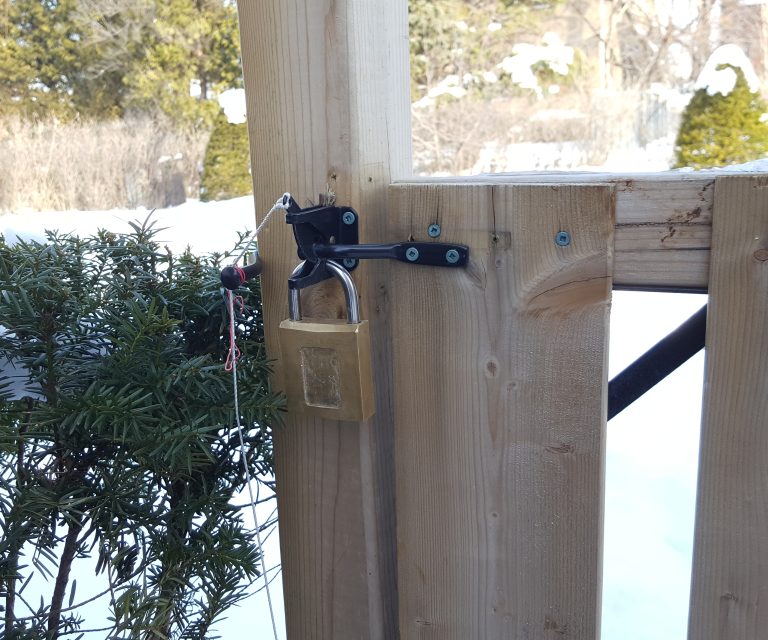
118,439
194,55
718,130
227,163
118,34
41,66
89,57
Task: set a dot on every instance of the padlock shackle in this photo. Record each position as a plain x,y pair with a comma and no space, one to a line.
342,275
294,301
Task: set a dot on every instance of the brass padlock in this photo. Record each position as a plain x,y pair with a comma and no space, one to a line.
327,363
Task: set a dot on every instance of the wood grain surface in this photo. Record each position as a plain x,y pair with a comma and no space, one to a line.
321,121
729,599
500,382
490,381
663,222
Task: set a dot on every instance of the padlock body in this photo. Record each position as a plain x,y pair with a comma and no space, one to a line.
327,368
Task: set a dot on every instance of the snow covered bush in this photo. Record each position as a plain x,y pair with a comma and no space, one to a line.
722,126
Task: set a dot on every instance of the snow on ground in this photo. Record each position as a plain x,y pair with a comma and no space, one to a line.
657,155
652,462
753,166
204,226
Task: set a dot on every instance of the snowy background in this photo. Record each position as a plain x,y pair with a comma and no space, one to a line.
652,445
639,137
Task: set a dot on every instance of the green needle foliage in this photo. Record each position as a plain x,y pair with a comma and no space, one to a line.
718,130
227,163
117,435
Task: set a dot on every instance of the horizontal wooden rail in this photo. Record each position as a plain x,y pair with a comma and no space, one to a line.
663,223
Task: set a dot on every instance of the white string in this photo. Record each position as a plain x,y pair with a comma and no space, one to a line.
282,203
230,305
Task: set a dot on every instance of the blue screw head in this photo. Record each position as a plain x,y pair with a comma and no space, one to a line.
350,263
562,239
433,231
348,217
412,254
451,256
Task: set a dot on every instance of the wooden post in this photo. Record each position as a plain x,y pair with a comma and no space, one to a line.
500,386
729,599
328,110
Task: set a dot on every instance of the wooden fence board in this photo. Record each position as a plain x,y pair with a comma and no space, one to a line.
663,223
500,381
729,599
319,120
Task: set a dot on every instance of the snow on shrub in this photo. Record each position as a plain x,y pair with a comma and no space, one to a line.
725,121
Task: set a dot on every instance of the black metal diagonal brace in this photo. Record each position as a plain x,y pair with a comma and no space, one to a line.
657,363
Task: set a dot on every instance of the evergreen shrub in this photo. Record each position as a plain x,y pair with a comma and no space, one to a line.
227,163
718,130
118,438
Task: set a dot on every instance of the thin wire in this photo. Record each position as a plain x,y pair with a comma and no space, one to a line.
282,203
230,305
232,359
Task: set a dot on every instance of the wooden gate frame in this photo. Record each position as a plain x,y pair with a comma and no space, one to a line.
376,518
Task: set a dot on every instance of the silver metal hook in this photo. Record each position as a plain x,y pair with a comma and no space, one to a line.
350,293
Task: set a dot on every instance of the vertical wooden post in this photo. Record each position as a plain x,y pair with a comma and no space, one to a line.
729,598
328,108
500,380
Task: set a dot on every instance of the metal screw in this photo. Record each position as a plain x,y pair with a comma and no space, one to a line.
348,217
434,231
412,254
350,263
562,239
452,256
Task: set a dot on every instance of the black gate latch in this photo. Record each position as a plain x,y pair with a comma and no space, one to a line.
331,233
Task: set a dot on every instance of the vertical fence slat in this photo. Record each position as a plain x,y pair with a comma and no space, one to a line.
328,109
500,381
729,596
